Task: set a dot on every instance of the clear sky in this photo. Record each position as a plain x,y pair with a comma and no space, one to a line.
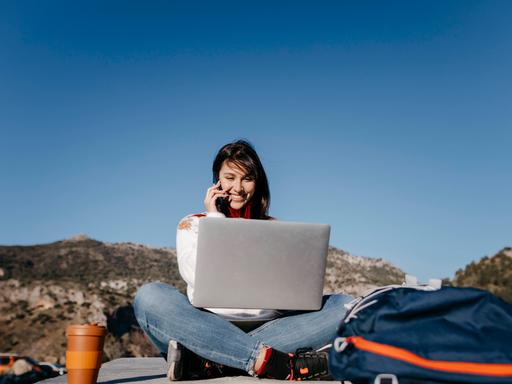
390,120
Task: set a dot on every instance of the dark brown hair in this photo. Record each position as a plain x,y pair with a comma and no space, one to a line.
242,154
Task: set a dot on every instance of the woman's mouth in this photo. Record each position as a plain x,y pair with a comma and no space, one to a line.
237,198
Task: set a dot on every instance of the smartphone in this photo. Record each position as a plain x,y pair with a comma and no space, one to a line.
221,203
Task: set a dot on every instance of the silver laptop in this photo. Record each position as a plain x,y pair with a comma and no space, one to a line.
260,264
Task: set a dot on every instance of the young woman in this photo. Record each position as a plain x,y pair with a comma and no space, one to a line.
204,343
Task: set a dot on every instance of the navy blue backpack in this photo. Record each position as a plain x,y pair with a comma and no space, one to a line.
424,334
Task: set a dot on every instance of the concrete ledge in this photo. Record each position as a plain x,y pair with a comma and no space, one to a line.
150,370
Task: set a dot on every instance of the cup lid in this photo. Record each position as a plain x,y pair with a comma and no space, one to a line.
85,330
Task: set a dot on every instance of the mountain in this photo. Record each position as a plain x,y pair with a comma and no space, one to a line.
43,288
491,273
346,273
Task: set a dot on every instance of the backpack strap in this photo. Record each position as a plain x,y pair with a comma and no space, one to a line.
371,297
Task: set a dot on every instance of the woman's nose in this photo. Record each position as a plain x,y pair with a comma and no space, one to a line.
237,186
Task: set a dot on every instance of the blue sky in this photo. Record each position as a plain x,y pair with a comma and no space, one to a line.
392,121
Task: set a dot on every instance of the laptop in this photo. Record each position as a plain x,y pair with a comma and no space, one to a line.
260,264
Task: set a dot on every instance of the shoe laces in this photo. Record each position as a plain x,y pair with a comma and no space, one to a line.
307,364
206,369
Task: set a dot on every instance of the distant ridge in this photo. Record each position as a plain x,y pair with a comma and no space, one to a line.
47,286
491,273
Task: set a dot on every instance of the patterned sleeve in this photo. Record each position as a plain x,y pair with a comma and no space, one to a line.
186,247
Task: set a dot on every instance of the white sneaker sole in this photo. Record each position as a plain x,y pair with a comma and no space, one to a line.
174,361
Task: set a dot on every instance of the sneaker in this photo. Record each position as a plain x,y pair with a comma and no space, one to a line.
175,360
201,369
183,364
307,364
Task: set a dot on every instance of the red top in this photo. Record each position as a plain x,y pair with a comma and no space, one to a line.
244,213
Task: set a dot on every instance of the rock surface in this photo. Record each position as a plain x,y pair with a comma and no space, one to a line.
151,371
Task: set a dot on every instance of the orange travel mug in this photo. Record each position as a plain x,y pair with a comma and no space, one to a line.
84,353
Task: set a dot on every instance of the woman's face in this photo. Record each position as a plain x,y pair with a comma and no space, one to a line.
239,186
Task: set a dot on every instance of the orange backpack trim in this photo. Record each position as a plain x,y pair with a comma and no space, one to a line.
486,369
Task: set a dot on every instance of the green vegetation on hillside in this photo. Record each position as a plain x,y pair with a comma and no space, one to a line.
491,273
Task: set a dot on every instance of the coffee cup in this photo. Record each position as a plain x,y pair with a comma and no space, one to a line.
84,352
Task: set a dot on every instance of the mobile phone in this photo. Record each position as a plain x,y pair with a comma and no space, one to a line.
221,202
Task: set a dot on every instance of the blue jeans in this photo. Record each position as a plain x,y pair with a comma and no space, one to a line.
164,314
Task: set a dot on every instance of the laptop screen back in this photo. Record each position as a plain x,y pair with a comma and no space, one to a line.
260,264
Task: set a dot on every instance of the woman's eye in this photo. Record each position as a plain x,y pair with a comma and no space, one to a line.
229,178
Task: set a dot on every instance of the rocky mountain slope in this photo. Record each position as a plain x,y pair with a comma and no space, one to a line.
491,273
45,287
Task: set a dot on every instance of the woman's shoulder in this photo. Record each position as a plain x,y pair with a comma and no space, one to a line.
190,220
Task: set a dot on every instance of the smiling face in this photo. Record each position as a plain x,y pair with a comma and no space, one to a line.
237,183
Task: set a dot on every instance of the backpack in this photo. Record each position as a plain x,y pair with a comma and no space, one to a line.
424,333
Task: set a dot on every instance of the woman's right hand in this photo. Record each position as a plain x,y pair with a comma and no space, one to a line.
211,196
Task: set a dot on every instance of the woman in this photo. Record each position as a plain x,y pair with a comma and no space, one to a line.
205,343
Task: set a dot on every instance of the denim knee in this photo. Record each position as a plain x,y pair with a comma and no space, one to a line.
336,302
149,298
